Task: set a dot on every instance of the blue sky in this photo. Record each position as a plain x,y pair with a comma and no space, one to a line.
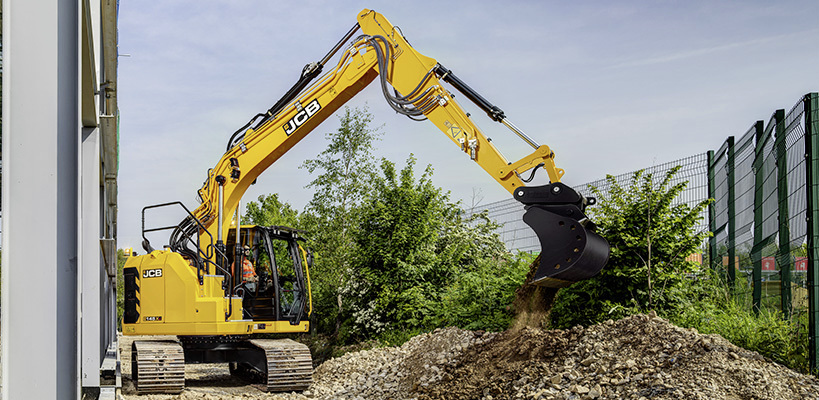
610,86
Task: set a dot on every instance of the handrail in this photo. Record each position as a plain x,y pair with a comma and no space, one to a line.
205,256
307,271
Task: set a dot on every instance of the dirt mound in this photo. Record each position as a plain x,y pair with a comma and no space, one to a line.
640,357
637,357
394,372
491,368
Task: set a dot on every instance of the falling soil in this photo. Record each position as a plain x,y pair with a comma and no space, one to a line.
532,303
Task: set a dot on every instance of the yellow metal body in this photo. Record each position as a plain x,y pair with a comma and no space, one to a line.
356,69
179,304
171,302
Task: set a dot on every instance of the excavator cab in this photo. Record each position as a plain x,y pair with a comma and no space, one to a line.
278,288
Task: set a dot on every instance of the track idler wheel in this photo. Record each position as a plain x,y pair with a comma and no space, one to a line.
570,249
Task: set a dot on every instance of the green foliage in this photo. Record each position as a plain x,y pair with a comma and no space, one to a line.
344,169
650,238
710,308
121,258
396,271
415,252
344,166
480,299
800,251
271,211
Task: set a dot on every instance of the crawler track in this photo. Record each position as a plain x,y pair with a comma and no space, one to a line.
158,366
289,364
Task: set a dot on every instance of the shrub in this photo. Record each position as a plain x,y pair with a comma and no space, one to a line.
710,308
480,299
650,237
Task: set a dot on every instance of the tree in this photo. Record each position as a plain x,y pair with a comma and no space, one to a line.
344,169
650,238
412,246
345,165
271,211
394,271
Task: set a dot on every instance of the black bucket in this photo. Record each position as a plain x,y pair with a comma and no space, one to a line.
569,251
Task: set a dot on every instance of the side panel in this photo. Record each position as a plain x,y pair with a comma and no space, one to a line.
152,290
210,306
181,288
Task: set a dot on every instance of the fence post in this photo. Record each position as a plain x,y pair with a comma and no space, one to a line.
812,171
783,257
712,214
732,252
759,178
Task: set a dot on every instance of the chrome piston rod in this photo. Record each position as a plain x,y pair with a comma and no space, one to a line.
520,133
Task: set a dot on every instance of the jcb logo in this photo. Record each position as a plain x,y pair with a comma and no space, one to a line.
301,117
152,273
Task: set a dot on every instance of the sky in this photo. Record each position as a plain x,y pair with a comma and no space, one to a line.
611,87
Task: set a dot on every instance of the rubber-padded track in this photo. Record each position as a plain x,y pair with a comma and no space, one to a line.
157,366
289,364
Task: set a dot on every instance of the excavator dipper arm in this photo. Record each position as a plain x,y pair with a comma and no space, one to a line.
412,85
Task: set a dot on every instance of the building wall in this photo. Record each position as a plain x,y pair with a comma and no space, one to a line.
58,195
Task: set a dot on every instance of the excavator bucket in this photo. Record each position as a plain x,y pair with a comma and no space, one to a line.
570,249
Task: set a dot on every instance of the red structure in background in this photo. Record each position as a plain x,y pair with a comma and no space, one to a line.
799,264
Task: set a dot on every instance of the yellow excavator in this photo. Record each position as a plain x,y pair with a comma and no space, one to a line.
217,283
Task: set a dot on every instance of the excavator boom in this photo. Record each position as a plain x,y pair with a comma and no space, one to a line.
413,85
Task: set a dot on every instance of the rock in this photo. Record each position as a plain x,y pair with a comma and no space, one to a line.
595,392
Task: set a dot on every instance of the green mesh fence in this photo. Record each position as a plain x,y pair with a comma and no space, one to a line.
764,217
519,237
693,170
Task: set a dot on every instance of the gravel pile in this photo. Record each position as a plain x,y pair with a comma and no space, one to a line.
640,357
394,372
